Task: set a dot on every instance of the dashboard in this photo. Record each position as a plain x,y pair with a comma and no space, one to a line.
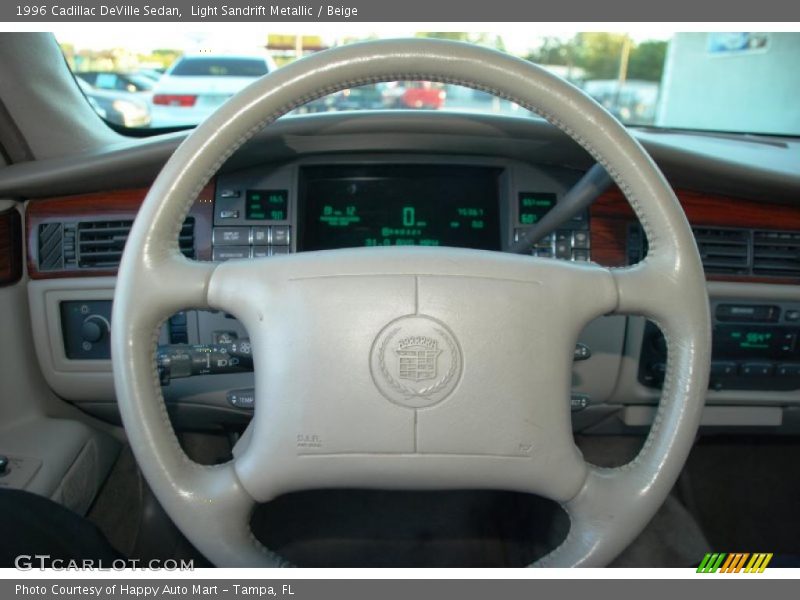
269,206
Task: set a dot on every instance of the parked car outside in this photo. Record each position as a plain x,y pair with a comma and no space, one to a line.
197,84
365,97
120,108
152,74
387,95
111,80
392,93
424,94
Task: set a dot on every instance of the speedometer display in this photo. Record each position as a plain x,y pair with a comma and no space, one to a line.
399,205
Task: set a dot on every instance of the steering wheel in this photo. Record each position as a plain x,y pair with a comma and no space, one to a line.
410,367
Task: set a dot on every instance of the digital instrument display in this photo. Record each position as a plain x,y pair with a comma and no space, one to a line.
263,205
399,205
732,341
534,205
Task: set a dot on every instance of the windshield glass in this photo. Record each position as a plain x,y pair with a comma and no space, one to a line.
726,82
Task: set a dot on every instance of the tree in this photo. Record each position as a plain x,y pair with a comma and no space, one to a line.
554,51
482,39
647,61
458,36
599,55
165,56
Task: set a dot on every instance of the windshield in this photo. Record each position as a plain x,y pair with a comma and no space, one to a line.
726,82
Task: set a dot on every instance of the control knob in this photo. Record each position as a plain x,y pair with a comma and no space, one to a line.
94,328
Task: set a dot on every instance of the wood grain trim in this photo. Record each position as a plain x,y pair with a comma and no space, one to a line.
10,247
611,215
112,205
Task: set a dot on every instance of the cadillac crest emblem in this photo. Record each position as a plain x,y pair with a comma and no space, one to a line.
416,361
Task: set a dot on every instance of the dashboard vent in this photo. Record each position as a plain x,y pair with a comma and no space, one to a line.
94,244
723,250
100,243
735,251
776,253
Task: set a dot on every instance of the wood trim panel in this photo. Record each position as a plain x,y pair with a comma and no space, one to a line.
611,215
112,205
10,246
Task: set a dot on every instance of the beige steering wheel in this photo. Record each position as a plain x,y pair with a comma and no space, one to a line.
325,327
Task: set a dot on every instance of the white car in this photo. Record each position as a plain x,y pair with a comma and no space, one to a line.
196,85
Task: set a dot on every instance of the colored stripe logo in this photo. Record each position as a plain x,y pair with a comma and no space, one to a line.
738,562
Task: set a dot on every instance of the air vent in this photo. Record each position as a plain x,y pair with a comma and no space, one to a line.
100,243
736,251
93,244
723,250
776,253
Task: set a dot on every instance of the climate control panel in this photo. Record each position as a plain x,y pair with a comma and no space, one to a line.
755,346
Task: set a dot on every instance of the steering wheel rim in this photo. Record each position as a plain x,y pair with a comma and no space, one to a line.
607,507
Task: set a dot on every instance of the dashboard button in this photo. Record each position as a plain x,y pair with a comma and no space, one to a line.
578,402
229,214
261,251
230,194
242,398
229,252
520,234
260,236
756,369
723,368
580,255
280,250
280,235
580,239
545,242
788,370
792,315
582,352
231,236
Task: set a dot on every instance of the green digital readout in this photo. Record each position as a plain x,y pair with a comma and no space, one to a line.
752,339
534,205
399,206
734,341
266,205
339,217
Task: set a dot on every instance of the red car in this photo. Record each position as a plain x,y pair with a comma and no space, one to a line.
424,94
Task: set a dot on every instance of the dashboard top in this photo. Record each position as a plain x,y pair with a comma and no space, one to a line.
752,167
